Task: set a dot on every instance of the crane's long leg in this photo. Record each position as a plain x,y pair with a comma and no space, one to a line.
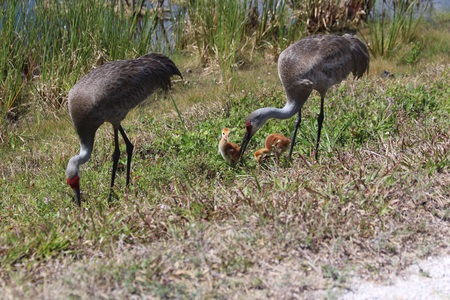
297,124
115,156
319,121
130,148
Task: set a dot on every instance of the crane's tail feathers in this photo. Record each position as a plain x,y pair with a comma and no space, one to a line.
161,68
361,57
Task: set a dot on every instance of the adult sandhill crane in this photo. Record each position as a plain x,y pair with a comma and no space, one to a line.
276,143
107,94
313,63
228,150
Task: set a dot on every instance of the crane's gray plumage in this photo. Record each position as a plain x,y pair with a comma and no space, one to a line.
107,94
313,63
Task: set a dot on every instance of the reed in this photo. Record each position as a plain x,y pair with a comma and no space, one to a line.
332,16
14,57
279,26
52,44
389,32
217,28
225,31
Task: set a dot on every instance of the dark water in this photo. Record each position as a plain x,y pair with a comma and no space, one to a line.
432,6
441,5
427,9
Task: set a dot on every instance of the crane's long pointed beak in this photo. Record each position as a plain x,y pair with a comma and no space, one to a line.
78,196
244,144
75,185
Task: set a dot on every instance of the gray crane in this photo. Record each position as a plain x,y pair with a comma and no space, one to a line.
314,63
107,94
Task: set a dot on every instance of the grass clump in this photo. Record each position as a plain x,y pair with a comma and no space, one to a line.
395,27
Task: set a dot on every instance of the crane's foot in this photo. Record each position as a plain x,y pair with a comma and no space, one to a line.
113,197
76,198
315,154
126,193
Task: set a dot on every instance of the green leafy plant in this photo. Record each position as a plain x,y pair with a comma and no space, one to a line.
389,30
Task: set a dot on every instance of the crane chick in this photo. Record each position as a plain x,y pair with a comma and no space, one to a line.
229,151
275,143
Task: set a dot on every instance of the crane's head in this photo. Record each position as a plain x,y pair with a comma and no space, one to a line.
252,124
75,185
73,178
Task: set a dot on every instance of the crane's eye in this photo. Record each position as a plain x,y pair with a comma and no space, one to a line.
248,125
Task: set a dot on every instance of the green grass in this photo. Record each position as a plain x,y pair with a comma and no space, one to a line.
194,227
383,175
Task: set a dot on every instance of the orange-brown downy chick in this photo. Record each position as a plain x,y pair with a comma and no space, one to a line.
228,150
275,143
259,154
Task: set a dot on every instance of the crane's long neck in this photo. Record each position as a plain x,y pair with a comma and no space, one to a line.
74,163
290,109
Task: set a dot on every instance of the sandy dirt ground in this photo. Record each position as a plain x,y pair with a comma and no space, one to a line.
428,279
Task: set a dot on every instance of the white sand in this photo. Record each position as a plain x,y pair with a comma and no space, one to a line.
428,279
